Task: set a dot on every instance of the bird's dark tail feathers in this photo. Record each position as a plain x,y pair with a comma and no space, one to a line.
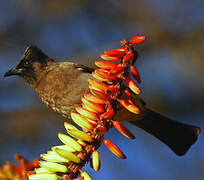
178,136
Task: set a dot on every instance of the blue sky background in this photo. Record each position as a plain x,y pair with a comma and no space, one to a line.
170,64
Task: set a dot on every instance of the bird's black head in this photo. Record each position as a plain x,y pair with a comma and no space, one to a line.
31,64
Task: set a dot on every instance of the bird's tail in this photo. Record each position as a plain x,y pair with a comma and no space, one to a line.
178,136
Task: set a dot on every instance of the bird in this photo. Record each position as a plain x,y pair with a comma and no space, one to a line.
60,85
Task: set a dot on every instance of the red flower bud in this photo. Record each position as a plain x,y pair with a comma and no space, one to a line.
130,107
105,64
86,113
114,149
117,69
79,178
137,39
128,57
134,88
116,52
105,74
107,115
94,99
135,74
123,130
110,58
93,107
100,94
128,93
101,77
100,85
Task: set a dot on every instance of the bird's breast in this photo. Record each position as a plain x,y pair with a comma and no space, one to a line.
62,92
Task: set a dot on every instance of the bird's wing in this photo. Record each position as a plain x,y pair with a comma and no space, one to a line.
63,86
83,68
75,79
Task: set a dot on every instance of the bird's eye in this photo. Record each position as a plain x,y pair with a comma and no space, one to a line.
27,63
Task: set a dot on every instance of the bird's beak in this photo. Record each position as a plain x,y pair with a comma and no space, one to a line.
13,71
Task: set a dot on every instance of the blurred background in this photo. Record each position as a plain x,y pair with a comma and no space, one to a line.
170,64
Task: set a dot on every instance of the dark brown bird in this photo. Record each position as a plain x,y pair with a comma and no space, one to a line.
61,85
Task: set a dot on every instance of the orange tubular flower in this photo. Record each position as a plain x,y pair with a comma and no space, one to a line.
128,93
103,73
82,121
123,130
116,52
105,64
110,58
131,84
86,113
100,94
130,107
117,69
114,149
100,86
135,74
91,106
107,115
79,178
94,99
137,39
128,57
